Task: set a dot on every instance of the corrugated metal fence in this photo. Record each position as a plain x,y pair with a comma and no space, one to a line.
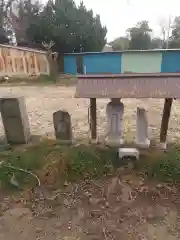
17,61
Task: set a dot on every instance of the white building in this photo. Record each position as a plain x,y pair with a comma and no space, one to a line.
107,48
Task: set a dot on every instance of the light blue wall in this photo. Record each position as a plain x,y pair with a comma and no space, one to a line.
116,62
102,63
170,62
141,62
70,64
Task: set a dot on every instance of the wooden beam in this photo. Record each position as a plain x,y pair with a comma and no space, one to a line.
165,119
79,64
93,119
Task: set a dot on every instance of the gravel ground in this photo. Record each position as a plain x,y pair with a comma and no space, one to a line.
109,209
42,101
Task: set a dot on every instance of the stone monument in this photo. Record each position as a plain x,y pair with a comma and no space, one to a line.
62,126
115,112
142,128
15,119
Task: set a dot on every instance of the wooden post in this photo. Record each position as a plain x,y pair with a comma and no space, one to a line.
93,122
165,120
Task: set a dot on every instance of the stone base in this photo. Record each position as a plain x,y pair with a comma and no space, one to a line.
65,142
144,144
162,145
114,142
93,141
128,152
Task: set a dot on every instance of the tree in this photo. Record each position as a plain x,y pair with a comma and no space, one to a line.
4,20
121,43
3,36
174,41
27,14
71,28
90,33
139,36
165,28
157,43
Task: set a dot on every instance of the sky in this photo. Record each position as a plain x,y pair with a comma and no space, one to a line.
118,15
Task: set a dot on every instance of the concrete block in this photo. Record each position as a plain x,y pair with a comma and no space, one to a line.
128,152
162,145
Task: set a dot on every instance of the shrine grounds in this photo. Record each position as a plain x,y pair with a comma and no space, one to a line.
43,100
83,193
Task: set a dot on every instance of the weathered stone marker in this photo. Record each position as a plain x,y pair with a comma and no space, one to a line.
142,128
15,119
115,112
62,126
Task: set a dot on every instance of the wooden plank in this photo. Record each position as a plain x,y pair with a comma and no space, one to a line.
79,64
61,63
129,74
165,119
93,118
128,87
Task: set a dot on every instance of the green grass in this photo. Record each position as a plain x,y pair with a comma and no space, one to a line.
163,166
31,159
88,162
43,80
54,163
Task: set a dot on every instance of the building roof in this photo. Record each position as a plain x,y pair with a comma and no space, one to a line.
152,85
126,51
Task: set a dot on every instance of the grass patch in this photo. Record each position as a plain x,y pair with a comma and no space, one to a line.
54,163
164,166
30,159
43,80
88,162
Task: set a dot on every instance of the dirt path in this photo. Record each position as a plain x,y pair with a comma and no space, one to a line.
42,101
102,210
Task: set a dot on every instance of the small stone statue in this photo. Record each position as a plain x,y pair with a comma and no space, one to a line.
115,112
62,126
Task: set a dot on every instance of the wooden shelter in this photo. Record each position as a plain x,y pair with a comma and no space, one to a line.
128,85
